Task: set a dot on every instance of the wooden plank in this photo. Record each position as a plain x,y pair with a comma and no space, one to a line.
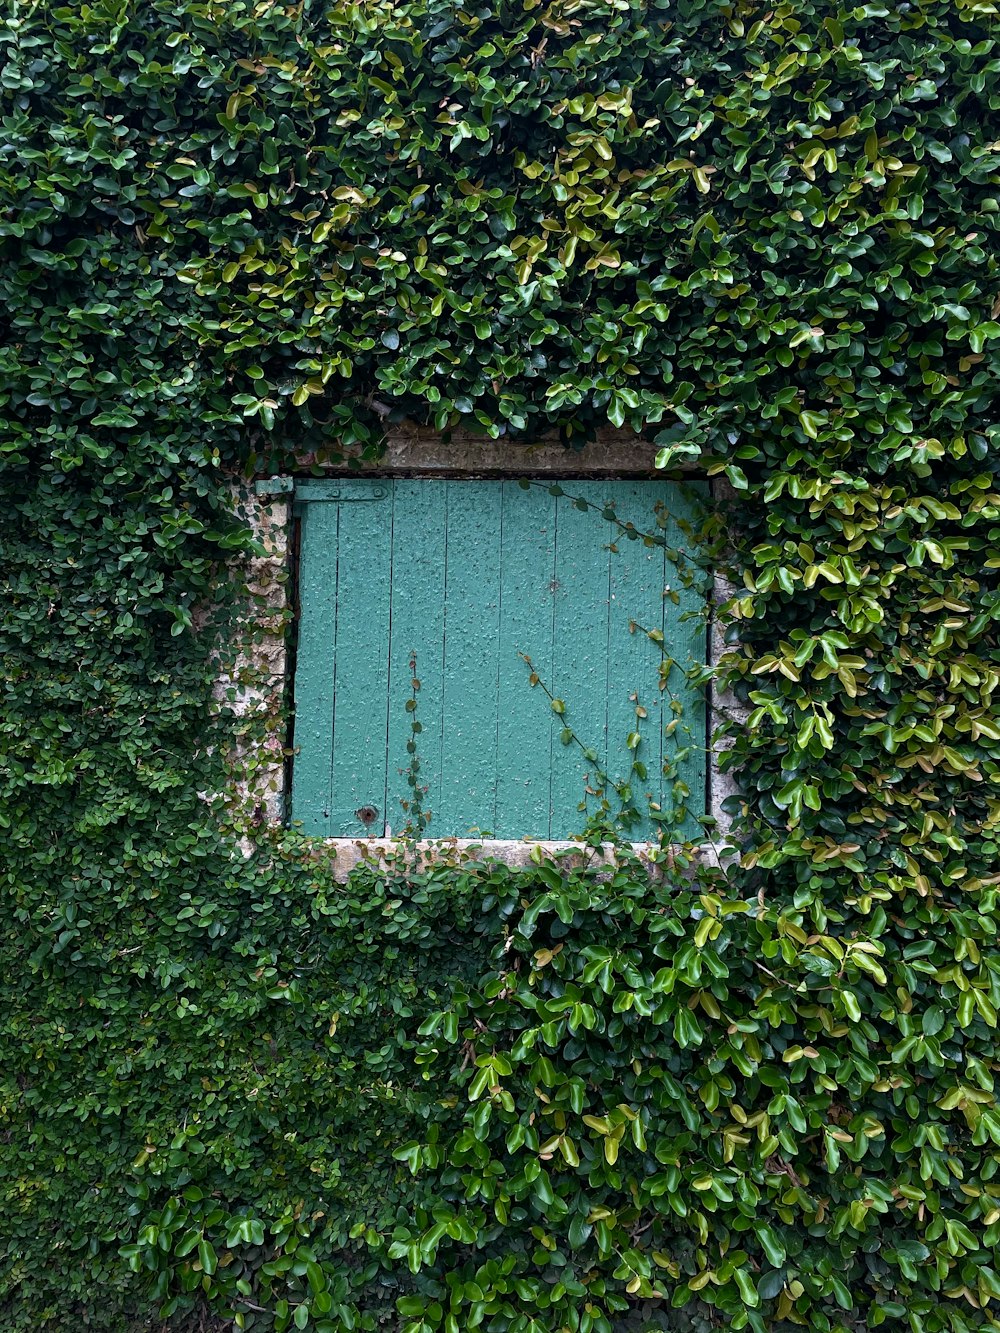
313,690
686,642
580,653
417,627
361,680
524,738
638,579
471,636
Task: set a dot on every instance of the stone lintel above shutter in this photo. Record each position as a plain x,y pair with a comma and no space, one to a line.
414,451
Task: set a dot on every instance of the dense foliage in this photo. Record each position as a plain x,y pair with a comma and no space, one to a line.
765,235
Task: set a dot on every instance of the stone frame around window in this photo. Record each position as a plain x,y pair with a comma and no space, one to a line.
269,653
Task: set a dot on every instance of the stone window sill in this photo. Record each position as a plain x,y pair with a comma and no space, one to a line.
349,853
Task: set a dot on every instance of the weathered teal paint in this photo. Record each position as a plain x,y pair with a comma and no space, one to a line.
316,653
524,730
638,575
580,617
361,665
420,548
468,576
471,646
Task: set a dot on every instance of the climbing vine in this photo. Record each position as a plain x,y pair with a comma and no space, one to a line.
456,1096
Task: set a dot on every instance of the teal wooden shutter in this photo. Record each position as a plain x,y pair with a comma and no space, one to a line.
466,576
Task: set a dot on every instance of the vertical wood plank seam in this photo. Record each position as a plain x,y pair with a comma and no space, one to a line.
664,694
328,807
445,490
609,556
552,649
708,698
499,647
388,653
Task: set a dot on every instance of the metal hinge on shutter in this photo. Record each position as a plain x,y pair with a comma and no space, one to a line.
376,493
312,491
326,492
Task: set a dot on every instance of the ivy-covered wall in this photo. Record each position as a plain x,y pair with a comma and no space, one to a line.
765,237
